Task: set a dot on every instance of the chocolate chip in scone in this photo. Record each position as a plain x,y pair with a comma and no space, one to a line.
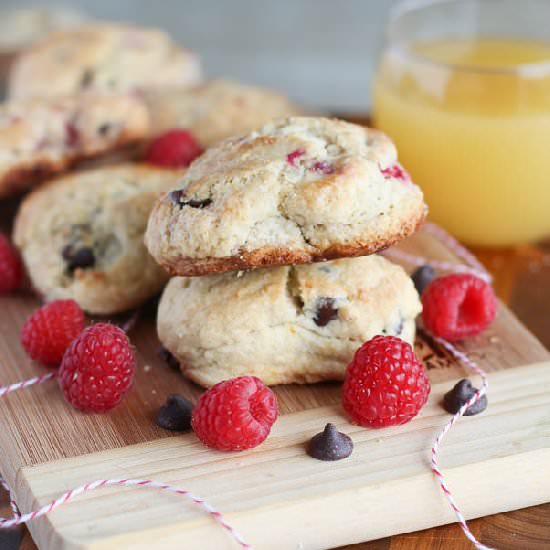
177,196
104,129
326,312
422,277
175,414
87,78
78,257
168,358
461,393
330,444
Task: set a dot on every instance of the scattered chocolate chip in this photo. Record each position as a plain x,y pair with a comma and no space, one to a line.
168,358
330,444
326,312
422,277
460,394
175,414
79,258
86,78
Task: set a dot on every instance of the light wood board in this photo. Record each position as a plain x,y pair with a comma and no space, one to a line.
275,495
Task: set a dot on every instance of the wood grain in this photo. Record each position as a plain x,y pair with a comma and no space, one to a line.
277,484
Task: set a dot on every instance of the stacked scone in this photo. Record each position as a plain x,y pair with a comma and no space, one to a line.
87,94
270,238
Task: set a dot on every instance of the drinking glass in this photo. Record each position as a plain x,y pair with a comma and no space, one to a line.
463,88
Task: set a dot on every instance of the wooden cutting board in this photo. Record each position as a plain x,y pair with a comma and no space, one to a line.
275,495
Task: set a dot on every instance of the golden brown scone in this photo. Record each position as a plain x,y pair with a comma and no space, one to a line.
81,236
296,191
102,57
42,137
298,324
217,109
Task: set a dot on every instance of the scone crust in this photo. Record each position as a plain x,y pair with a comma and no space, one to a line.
42,137
292,324
101,57
105,209
217,109
299,190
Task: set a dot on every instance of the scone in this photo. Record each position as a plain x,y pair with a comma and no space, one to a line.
296,191
41,137
81,236
297,324
102,57
217,109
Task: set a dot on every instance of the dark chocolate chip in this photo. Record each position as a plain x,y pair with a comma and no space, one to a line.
422,277
177,196
199,203
461,393
326,312
175,414
104,129
87,78
168,358
330,444
80,258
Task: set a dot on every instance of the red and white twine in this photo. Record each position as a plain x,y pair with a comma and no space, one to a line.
473,266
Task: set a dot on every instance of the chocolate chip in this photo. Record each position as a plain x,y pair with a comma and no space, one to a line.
177,196
422,277
104,129
197,203
326,312
86,78
168,358
330,444
175,414
461,393
80,258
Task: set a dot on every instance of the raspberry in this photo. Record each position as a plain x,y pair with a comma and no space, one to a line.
11,271
385,384
173,149
97,369
236,414
397,172
48,332
457,306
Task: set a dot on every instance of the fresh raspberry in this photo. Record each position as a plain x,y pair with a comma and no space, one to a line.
457,306
173,149
48,332
396,171
236,414
11,271
385,383
97,369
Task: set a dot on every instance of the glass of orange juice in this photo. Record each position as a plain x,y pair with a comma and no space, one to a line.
463,88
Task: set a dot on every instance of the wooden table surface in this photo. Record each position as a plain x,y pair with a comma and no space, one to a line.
522,280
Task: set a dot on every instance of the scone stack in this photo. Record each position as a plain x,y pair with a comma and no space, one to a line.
271,238
84,99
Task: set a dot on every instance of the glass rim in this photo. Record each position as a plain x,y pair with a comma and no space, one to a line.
536,69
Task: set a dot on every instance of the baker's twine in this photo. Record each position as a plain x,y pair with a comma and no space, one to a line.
473,266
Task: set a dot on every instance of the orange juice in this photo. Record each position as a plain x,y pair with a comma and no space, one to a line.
471,120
